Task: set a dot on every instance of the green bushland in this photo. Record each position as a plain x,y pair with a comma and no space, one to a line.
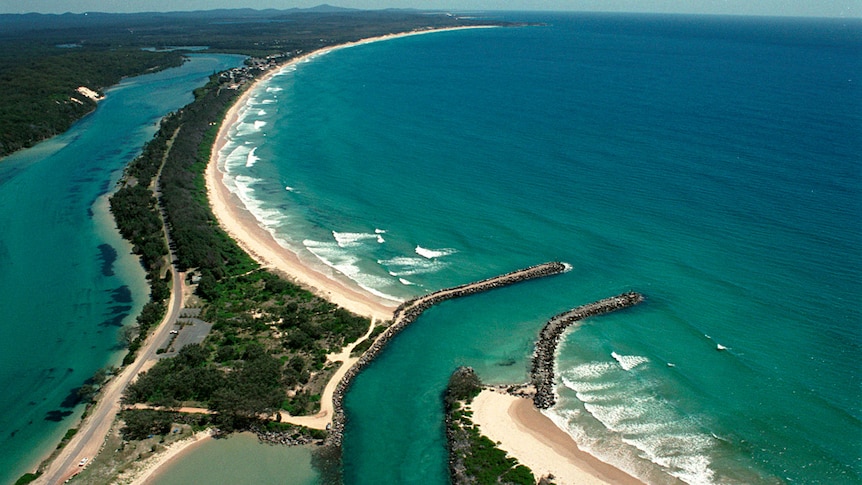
473,458
139,424
368,342
39,84
45,58
27,478
269,335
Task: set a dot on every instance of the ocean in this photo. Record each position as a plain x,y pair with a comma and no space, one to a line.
68,282
710,163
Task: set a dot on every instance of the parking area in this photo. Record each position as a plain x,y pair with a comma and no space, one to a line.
188,329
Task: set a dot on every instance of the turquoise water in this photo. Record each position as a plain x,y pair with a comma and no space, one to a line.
67,281
710,163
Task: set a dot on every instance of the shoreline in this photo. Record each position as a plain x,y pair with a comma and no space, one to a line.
143,472
538,443
241,225
244,228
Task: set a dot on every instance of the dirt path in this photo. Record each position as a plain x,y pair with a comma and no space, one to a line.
322,419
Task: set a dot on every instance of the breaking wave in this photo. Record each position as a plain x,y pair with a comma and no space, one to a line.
434,253
251,159
335,256
636,422
409,266
629,362
353,239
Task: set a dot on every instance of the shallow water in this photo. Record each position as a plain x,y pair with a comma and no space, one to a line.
250,462
68,282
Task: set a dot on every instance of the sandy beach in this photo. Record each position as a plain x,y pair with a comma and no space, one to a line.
143,471
532,438
523,430
241,225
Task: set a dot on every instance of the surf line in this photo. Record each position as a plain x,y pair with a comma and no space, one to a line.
408,312
542,370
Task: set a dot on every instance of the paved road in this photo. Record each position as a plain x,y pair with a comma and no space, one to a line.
92,432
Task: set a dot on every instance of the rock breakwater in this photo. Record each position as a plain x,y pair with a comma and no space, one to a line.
408,312
542,369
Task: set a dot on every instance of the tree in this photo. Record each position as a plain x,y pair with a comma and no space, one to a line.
141,423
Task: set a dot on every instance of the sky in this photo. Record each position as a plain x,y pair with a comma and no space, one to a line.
806,8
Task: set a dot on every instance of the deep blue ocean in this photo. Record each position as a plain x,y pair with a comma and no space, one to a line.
711,163
68,282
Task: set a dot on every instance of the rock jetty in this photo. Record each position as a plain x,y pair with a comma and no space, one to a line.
408,312
542,370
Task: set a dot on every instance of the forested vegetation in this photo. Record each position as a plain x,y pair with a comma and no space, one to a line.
473,458
45,58
198,241
39,85
270,337
136,212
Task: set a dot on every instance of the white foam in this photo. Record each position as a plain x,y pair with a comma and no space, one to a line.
272,89
244,129
268,101
617,453
352,239
410,266
434,253
379,231
235,157
258,124
591,370
629,362
615,416
405,282
290,189
629,407
243,187
684,456
346,263
251,159
261,113
586,386
380,239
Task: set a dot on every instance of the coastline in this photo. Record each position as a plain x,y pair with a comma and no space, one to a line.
243,228
516,419
536,442
142,472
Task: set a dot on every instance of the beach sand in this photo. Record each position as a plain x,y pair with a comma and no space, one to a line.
241,225
535,441
143,471
525,432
